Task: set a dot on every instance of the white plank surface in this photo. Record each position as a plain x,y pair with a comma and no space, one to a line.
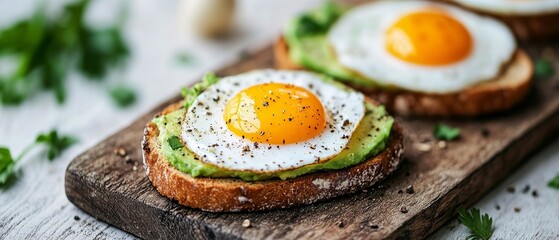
36,206
538,217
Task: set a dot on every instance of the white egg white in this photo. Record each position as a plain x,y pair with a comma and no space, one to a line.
358,39
205,132
514,7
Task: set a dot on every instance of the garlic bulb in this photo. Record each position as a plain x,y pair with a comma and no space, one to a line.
208,18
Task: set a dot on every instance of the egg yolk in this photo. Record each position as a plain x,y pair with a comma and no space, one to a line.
275,113
429,37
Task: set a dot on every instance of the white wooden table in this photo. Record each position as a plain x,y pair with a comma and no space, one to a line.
36,206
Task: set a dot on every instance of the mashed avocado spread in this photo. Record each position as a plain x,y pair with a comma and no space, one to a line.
368,140
308,44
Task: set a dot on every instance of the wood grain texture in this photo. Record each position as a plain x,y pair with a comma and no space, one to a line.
117,190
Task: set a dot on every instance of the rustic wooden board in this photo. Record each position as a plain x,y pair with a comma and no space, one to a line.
115,189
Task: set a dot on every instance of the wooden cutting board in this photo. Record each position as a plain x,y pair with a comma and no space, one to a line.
111,184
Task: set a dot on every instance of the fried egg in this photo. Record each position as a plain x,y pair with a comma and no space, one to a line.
421,46
514,7
267,121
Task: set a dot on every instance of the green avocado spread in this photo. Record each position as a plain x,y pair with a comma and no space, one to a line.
308,44
368,140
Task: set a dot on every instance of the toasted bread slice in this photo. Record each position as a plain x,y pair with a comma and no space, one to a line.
499,94
232,195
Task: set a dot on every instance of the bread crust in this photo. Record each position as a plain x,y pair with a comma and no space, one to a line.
497,95
233,195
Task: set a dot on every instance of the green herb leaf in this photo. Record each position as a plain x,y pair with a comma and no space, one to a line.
7,165
102,49
175,142
332,12
13,91
46,49
123,96
191,93
554,183
209,79
55,143
543,68
319,21
308,26
480,226
445,132
185,59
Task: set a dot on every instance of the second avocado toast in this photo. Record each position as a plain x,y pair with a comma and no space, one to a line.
419,58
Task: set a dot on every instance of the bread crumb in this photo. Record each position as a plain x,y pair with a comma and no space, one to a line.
423,147
128,159
485,132
410,190
341,224
246,223
526,189
120,151
404,210
441,144
134,168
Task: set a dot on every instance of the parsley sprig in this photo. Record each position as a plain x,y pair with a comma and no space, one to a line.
543,68
185,58
54,143
123,96
480,226
318,22
47,48
445,132
175,142
191,93
7,165
554,183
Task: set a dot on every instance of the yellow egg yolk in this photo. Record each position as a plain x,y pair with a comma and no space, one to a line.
275,113
429,37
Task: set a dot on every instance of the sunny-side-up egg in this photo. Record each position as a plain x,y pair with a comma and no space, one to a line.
421,46
514,7
267,120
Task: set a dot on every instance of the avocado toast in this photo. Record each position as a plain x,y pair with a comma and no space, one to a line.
373,151
305,45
